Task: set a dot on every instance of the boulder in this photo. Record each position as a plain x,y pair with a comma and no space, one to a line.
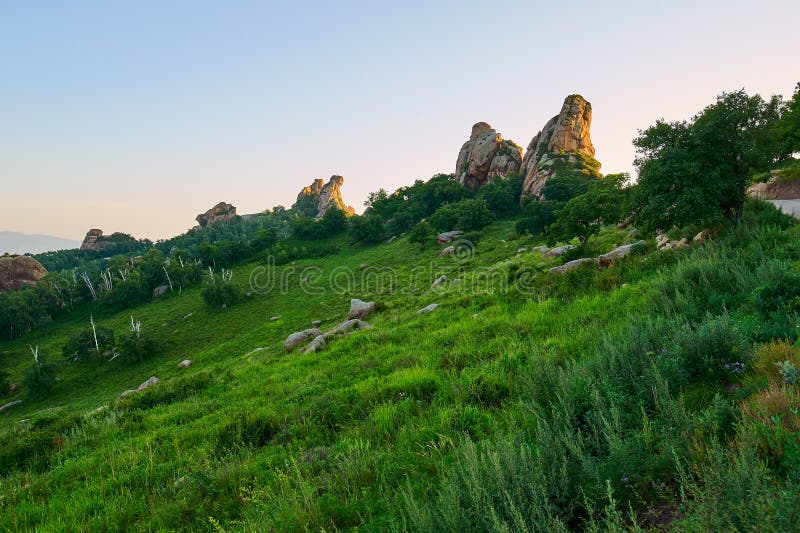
447,236
186,363
701,237
9,405
363,266
558,250
438,281
348,326
446,251
300,337
427,309
222,212
571,265
90,240
274,318
152,380
318,343
777,187
486,155
521,250
316,323
317,198
19,271
606,260
160,290
360,308
564,144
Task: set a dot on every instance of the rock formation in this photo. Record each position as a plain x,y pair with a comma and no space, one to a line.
563,143
318,197
778,187
485,155
18,271
90,241
222,212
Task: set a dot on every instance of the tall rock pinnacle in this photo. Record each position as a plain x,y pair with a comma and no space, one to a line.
318,197
485,155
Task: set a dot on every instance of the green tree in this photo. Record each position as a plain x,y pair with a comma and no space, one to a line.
40,377
584,215
421,234
367,229
697,171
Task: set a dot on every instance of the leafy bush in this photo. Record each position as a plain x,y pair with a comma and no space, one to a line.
138,345
81,345
466,215
366,229
169,392
40,379
220,291
421,234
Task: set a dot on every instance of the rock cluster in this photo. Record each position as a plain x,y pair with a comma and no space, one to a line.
90,241
563,143
777,187
18,271
486,155
149,383
604,261
318,197
222,212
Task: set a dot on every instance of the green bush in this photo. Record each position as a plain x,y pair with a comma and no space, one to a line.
221,292
40,379
421,234
81,345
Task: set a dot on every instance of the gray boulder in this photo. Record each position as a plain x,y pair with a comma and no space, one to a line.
317,344
621,251
571,264
427,309
360,308
446,251
447,236
300,337
348,326
186,363
9,405
558,250
438,281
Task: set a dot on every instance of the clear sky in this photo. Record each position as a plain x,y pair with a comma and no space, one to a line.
137,116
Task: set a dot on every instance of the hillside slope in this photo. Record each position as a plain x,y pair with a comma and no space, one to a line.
377,430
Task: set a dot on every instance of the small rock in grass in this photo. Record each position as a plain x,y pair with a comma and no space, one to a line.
317,344
441,279
316,323
9,405
570,265
348,326
427,309
446,251
274,318
300,337
186,363
360,308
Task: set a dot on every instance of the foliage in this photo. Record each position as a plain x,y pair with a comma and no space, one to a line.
220,290
538,216
81,346
137,345
584,215
366,229
465,215
421,234
40,378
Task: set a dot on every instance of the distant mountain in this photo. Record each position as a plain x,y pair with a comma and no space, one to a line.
20,243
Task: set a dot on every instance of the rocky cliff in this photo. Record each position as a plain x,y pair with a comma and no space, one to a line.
780,186
564,143
222,212
18,271
90,241
318,197
485,155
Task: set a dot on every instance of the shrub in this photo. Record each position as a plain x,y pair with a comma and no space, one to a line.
421,234
366,229
220,292
774,416
81,345
468,214
40,379
169,392
710,350
137,346
770,355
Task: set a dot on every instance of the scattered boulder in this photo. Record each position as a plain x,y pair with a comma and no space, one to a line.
222,212
569,265
317,198
13,388
160,290
540,249
348,326
558,250
606,260
485,155
186,363
318,343
701,237
777,187
9,405
521,250
152,380
316,323
564,144
274,318
438,281
19,271
187,316
427,309
360,308
363,266
446,251
300,337
664,243
447,236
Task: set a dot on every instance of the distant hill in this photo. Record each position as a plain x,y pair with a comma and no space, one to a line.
22,243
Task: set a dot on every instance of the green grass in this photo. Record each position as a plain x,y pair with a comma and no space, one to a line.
374,432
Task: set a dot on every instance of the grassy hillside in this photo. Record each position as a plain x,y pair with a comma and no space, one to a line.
598,398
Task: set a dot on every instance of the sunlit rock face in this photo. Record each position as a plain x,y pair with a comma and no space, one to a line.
317,198
222,212
18,271
563,143
486,155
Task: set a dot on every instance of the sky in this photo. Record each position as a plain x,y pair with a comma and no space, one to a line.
137,116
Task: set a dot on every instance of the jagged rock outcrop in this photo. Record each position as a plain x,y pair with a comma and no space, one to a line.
778,187
563,143
90,241
222,212
318,197
485,155
18,271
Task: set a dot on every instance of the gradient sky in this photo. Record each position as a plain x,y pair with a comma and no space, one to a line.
137,116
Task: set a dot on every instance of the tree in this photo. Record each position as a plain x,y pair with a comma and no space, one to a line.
584,215
538,216
697,171
787,129
367,229
40,378
421,234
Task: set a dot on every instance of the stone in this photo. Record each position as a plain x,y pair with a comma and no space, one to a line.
558,250
427,309
318,343
701,237
186,363
9,405
316,323
363,266
19,271
160,290
446,251
540,249
222,212
447,236
152,380
569,265
438,281
274,318
521,250
317,198
13,388
563,143
300,337
777,187
360,308
90,240
348,326
486,155
606,260
187,316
